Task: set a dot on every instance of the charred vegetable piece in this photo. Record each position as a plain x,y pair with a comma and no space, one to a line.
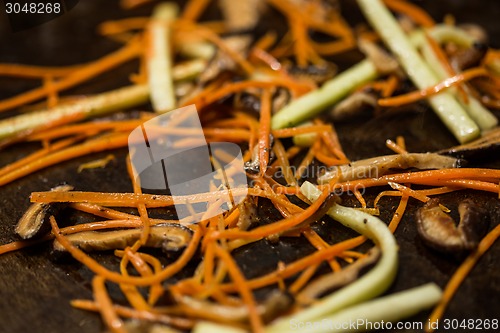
170,237
439,231
37,215
382,165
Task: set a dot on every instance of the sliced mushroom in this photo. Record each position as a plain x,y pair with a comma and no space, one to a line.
248,213
36,216
353,106
315,73
382,165
221,61
253,166
169,237
438,230
336,280
469,57
382,60
487,146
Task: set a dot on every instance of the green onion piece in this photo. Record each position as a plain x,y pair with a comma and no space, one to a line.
159,57
88,107
448,33
331,92
446,107
370,314
369,285
188,70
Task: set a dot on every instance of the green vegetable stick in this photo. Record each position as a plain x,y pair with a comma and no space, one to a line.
369,285
366,316
446,107
91,106
482,116
331,92
159,58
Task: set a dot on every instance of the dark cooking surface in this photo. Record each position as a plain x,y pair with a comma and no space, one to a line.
35,290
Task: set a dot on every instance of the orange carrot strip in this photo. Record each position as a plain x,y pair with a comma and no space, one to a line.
127,312
320,244
91,146
460,275
417,14
193,9
398,214
409,192
123,25
299,265
446,65
418,95
91,70
105,305
36,72
292,131
303,279
37,154
243,288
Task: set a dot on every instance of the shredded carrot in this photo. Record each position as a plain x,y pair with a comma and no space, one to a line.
194,9
244,289
87,72
113,322
418,95
460,275
414,12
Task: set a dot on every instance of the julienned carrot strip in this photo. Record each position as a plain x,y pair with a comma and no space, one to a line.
320,244
109,316
446,65
427,192
418,95
18,245
398,214
409,192
130,4
299,265
118,278
95,68
151,200
36,72
460,275
93,127
156,290
91,146
123,25
390,86
303,279
395,147
37,155
134,297
417,14
126,312
193,9
264,130
208,97
243,288
276,227
101,211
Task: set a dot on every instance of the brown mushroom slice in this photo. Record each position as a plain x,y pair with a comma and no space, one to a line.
170,237
353,106
438,230
383,165
336,280
383,61
35,217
